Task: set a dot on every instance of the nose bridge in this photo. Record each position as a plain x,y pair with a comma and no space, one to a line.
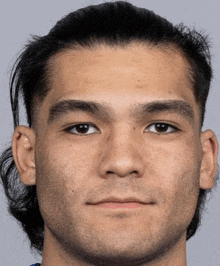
122,153
122,141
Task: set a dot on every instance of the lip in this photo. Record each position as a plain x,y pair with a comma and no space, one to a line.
114,200
116,205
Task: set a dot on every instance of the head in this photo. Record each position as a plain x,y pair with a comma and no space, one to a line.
118,68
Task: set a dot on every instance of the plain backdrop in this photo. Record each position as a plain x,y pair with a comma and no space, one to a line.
21,18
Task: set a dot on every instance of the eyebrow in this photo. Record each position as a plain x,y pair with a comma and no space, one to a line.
140,110
66,106
179,107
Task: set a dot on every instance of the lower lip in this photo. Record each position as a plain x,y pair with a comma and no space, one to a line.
115,205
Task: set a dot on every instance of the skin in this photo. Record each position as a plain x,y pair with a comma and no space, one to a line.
122,155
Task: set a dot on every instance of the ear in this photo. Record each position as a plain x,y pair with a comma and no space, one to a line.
209,160
23,146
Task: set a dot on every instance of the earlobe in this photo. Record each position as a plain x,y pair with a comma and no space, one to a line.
23,146
209,160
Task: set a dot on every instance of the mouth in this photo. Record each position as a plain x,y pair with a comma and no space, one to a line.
115,203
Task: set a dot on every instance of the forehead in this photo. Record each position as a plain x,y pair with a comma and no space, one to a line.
120,75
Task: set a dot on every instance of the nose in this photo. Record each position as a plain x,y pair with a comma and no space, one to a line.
122,156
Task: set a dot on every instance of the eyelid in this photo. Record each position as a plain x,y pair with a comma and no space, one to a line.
174,128
69,128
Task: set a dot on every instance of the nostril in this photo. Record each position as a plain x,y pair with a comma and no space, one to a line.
134,172
109,172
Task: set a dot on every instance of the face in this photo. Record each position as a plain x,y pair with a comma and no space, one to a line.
118,153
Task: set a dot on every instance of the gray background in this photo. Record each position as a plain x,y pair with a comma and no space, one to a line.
19,19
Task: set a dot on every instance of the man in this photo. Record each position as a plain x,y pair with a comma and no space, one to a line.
114,164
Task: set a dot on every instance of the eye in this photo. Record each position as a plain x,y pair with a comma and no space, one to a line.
161,128
83,129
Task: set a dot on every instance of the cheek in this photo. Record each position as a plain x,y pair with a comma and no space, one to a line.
62,175
177,172
69,160
176,162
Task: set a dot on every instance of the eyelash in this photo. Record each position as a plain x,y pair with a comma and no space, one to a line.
166,126
89,125
173,129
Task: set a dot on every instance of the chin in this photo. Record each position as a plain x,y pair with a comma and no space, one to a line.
113,259
125,253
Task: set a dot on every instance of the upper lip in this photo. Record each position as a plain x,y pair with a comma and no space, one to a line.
120,200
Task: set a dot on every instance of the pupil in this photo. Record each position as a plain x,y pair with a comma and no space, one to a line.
83,128
161,127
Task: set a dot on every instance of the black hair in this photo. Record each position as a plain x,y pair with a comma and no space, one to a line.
115,24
